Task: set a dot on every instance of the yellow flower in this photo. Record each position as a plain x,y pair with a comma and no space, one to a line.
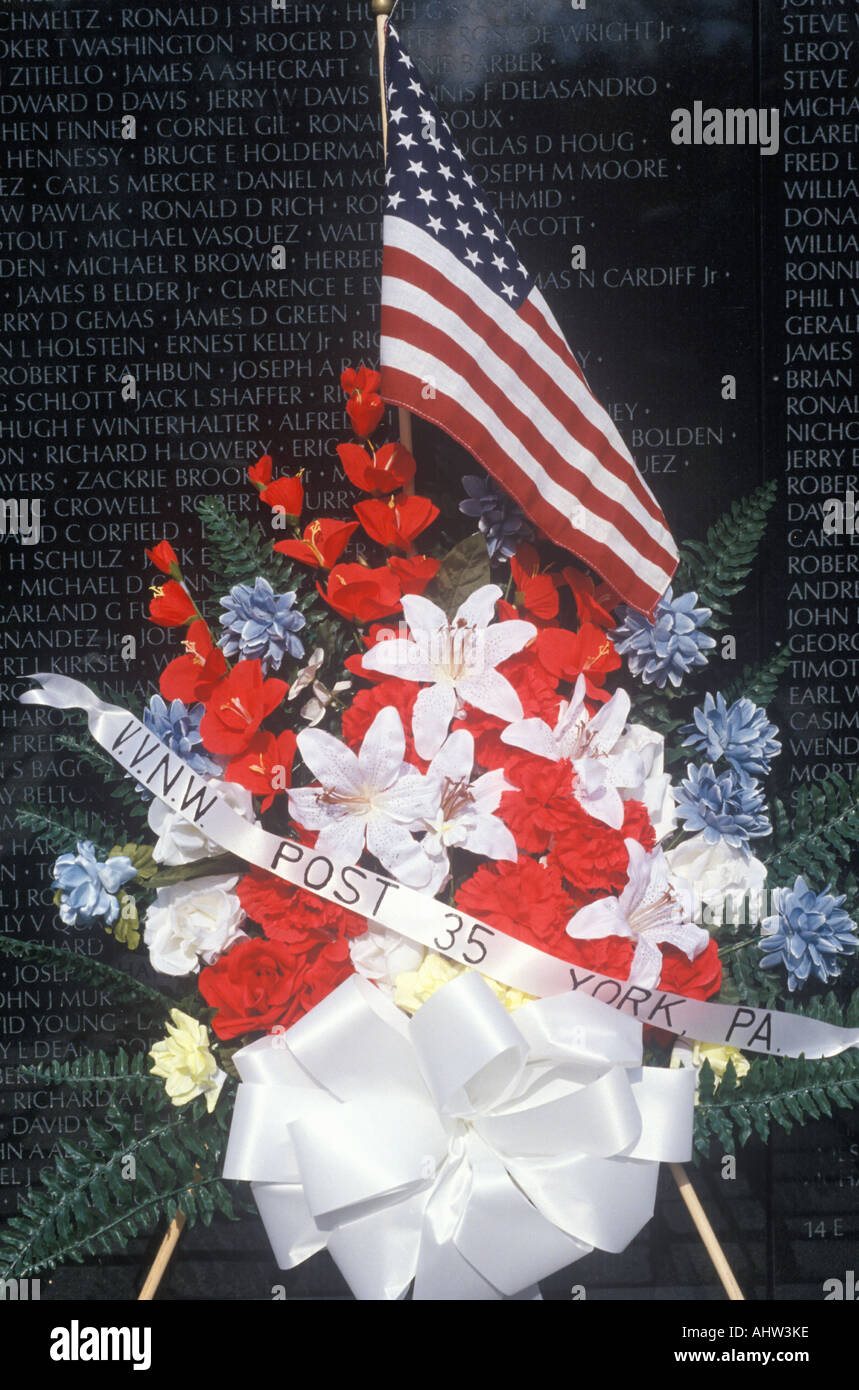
414,987
186,1063
719,1055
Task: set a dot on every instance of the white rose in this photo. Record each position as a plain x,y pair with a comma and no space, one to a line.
718,877
381,955
655,791
192,921
182,842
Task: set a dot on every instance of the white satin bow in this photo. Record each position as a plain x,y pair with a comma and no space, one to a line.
470,1150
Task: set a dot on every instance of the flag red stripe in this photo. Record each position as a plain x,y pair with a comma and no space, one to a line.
403,265
403,389
398,323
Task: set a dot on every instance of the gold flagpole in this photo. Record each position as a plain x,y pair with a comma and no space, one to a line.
382,9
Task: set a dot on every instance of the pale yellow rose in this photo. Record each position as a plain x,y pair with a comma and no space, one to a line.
414,987
719,1055
183,1059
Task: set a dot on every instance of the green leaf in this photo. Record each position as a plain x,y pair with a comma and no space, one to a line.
718,567
464,569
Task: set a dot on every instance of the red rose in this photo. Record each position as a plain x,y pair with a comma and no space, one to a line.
321,545
286,494
391,467
237,706
165,559
360,593
534,892
193,677
395,524
252,987
172,606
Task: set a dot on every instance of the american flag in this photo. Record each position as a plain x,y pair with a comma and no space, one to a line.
469,343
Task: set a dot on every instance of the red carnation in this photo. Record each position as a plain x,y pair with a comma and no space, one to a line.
251,988
265,767
366,704
534,892
237,706
290,914
322,543
287,494
360,593
699,978
172,605
193,677
165,559
391,467
592,857
395,524
539,807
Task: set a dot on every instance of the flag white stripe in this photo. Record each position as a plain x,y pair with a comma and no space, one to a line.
403,235
423,366
403,294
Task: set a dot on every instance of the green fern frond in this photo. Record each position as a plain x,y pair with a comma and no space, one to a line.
63,828
782,1091
238,551
760,683
123,1071
717,567
118,1185
125,989
820,839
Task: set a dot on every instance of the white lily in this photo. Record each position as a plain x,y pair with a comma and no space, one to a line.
464,816
648,911
587,743
456,659
370,797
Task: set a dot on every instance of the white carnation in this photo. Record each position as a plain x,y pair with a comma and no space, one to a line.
381,955
719,878
655,789
182,842
192,922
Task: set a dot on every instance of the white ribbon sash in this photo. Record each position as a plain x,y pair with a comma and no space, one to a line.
471,1150
423,919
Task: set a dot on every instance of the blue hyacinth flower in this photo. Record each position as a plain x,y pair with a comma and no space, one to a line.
503,525
261,625
740,733
670,646
88,886
179,727
809,935
721,807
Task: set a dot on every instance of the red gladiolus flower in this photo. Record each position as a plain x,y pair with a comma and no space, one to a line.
365,412
172,606
237,706
593,604
567,655
259,473
165,559
193,677
536,592
396,523
321,545
391,467
414,572
362,380
265,767
362,594
287,493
